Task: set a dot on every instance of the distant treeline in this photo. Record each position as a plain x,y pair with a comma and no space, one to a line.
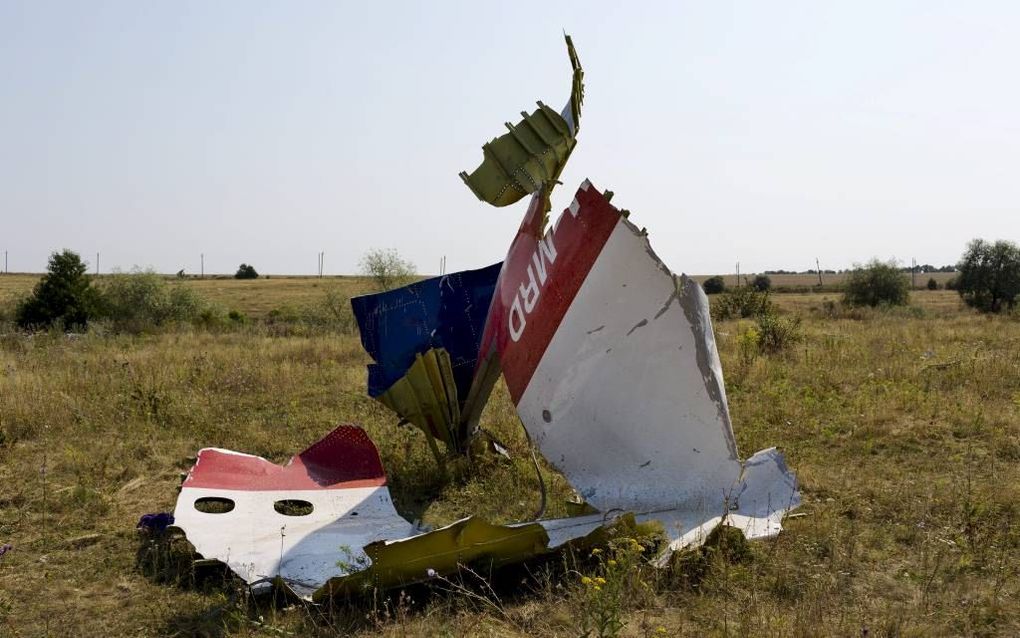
926,268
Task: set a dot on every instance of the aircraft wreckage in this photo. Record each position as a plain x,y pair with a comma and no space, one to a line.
608,356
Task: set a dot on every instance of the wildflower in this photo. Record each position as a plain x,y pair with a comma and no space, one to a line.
6,547
596,551
600,580
660,631
597,588
431,573
585,580
611,562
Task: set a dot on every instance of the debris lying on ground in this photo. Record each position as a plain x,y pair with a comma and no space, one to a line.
610,361
155,523
290,523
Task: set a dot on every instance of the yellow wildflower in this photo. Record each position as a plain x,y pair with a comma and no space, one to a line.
585,580
600,580
611,562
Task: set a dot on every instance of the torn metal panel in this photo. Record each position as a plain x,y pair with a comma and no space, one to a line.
424,340
353,537
611,362
341,477
403,561
530,157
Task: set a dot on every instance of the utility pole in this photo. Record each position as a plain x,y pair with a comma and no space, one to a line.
913,272
5,263
818,267
97,264
202,271
738,274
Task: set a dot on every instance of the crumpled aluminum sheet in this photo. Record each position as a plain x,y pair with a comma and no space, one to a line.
611,361
341,476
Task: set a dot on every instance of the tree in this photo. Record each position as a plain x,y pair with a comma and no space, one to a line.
386,268
932,284
989,278
762,283
245,271
64,296
877,283
714,285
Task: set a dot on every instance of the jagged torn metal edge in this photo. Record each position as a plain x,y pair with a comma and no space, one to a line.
611,361
355,536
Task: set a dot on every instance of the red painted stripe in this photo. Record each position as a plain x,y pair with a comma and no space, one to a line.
343,459
578,241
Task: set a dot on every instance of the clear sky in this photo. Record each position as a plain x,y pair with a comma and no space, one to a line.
264,132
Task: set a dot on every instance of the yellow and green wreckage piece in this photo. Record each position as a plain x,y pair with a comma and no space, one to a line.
470,542
531,155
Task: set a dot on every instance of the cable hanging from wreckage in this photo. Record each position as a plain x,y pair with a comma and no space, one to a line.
602,348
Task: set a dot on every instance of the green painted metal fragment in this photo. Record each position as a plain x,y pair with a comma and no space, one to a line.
468,542
427,397
440,552
530,157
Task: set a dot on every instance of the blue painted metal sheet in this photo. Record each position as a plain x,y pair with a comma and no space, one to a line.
447,312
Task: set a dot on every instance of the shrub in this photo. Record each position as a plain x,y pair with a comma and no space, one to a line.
762,283
386,268
877,283
714,285
989,278
741,303
747,345
246,271
335,309
64,296
776,334
142,301
932,284
210,318
951,284
770,334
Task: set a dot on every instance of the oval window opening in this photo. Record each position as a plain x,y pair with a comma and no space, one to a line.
214,505
293,507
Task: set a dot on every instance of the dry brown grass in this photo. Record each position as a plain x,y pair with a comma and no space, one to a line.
253,297
903,426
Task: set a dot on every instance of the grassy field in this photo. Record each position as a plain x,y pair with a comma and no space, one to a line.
254,297
257,297
903,427
828,279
